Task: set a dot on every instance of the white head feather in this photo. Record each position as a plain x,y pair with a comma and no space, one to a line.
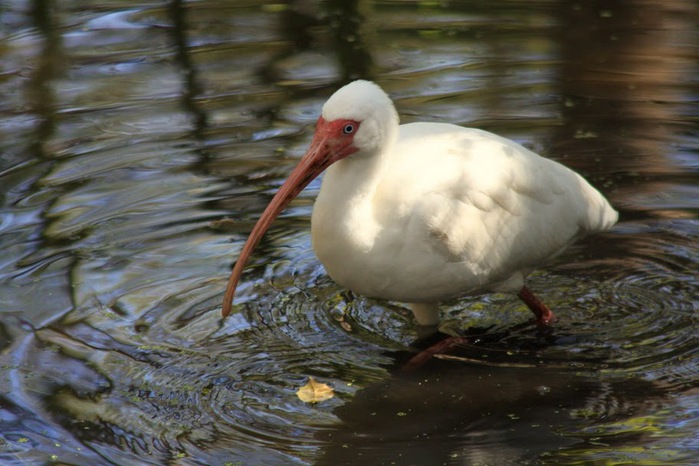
367,103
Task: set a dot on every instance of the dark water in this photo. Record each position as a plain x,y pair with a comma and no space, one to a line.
140,141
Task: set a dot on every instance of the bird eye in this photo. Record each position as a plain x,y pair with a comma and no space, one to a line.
348,129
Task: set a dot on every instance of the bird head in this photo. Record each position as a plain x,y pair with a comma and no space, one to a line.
358,120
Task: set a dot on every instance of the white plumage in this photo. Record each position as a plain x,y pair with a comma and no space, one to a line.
424,212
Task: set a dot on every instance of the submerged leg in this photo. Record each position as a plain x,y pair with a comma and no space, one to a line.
429,340
442,344
544,316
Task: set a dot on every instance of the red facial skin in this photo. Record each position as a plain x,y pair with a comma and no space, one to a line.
332,141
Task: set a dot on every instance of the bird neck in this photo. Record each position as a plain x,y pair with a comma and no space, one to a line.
345,204
354,180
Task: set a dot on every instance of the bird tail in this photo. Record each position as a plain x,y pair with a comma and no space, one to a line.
600,214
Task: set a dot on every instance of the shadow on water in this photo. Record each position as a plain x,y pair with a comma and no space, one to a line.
475,414
138,145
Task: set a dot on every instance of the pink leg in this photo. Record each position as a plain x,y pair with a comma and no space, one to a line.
544,316
441,347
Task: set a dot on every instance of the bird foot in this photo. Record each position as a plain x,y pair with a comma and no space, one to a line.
545,321
439,343
544,315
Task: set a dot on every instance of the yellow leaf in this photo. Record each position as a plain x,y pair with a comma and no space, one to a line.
315,392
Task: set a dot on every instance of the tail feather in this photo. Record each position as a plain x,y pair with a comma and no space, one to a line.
600,214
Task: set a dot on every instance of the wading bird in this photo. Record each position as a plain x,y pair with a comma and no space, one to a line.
424,212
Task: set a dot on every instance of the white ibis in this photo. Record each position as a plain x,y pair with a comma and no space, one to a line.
424,212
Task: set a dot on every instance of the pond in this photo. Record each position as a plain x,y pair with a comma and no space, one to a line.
140,141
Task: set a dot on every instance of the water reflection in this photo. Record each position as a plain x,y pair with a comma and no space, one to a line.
471,414
620,96
139,145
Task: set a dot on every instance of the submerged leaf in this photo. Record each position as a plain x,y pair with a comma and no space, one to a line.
315,392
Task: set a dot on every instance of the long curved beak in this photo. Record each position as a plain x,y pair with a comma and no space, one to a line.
317,158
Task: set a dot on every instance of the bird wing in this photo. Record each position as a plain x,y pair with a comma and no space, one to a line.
489,203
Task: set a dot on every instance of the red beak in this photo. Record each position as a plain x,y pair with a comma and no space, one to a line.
322,152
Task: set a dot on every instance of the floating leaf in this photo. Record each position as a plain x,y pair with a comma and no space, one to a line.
315,392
